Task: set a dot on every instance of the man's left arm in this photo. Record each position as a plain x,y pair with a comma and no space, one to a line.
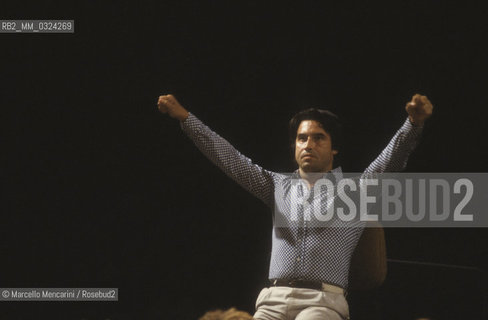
394,157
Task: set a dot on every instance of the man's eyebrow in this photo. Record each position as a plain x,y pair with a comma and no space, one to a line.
317,134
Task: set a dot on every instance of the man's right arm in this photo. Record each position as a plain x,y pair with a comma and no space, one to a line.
241,169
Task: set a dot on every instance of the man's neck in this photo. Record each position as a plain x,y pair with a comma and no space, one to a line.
311,177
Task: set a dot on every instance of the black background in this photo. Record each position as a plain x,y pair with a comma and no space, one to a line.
101,190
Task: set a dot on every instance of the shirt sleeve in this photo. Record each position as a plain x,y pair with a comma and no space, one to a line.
394,157
238,167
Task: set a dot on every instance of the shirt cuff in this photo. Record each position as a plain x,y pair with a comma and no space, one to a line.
191,124
411,129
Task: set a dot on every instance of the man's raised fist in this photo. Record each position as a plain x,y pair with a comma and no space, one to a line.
419,109
168,104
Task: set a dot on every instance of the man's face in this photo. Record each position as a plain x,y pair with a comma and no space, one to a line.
313,148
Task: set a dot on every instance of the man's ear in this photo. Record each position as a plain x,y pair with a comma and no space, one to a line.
334,152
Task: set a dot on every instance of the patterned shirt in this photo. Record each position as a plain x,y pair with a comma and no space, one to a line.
299,250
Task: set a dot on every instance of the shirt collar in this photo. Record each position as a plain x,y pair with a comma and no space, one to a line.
336,172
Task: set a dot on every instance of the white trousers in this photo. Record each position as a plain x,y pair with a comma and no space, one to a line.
285,303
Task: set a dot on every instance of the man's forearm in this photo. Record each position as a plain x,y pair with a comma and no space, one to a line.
238,167
394,157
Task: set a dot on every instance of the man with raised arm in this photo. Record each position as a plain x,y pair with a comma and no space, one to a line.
309,265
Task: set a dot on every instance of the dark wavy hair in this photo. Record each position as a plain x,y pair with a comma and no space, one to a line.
327,120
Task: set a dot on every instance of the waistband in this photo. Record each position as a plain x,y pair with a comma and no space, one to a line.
306,284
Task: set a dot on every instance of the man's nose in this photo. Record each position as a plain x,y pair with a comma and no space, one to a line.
309,144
